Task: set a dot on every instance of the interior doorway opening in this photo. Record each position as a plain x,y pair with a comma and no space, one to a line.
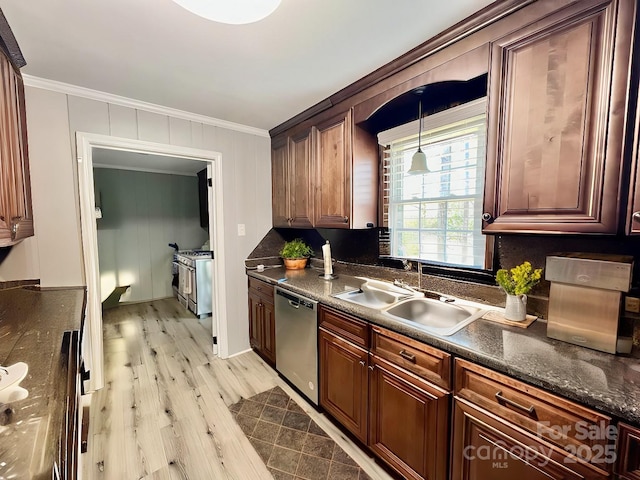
134,155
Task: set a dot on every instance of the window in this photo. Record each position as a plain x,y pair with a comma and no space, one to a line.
436,217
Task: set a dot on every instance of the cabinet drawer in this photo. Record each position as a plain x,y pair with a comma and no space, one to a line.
261,288
427,362
345,326
580,431
628,452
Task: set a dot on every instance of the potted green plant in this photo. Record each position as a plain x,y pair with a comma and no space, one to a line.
295,254
517,283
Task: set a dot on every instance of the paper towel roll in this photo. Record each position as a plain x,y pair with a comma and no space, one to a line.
326,254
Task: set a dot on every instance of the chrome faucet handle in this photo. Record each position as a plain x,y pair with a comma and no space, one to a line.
406,286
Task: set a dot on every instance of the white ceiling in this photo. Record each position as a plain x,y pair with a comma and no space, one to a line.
259,74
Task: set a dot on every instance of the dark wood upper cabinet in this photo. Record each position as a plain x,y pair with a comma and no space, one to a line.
346,174
557,109
300,179
325,175
633,210
16,220
333,172
280,182
291,169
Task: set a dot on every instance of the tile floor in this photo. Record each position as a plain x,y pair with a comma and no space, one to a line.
291,444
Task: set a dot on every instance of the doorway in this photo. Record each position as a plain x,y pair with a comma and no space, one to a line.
91,147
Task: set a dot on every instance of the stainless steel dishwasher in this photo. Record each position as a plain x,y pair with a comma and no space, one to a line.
297,341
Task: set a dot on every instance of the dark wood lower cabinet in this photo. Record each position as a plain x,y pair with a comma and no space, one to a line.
628,466
408,422
66,467
344,382
486,447
262,325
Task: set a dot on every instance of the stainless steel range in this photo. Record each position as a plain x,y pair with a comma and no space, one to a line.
195,280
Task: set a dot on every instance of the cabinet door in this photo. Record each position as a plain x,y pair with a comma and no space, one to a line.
333,173
255,321
344,383
16,221
280,183
408,422
487,448
628,466
633,210
299,177
633,220
269,332
558,91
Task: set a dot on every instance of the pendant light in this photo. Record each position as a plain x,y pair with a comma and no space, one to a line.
233,12
419,159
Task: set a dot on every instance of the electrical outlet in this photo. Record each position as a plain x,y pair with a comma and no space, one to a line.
242,231
632,304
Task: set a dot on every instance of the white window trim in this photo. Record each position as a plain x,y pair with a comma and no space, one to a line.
433,122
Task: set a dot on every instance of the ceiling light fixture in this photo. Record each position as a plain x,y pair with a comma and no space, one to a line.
419,159
233,12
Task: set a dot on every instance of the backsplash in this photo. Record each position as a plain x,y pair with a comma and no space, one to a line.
359,249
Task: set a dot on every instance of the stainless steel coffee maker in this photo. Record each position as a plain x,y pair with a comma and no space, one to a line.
585,300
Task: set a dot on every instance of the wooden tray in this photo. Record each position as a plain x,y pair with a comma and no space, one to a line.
498,317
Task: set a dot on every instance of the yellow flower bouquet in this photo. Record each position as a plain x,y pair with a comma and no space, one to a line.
519,280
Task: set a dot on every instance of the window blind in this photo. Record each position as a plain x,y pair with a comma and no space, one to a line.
436,217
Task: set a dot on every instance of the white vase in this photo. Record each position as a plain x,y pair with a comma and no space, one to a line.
516,308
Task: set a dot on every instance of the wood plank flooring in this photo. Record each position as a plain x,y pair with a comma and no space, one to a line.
163,413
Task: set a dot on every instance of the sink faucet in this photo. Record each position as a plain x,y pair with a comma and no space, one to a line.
402,284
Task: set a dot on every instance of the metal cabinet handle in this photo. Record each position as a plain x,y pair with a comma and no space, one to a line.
531,410
346,219
15,224
486,217
636,216
371,367
407,356
361,362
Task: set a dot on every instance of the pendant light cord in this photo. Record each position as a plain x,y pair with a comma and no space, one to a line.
420,124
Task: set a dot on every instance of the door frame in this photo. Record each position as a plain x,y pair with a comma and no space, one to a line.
92,335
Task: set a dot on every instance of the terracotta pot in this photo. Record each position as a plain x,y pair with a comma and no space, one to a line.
295,263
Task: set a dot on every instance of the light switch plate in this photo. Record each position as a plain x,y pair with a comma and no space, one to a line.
242,231
632,304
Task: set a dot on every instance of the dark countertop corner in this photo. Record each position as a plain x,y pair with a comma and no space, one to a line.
32,325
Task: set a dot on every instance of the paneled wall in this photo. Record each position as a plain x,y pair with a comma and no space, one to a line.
142,213
54,254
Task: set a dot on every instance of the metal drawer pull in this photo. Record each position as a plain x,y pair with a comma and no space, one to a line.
407,356
531,410
361,362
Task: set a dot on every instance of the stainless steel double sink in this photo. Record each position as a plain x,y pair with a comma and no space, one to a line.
444,316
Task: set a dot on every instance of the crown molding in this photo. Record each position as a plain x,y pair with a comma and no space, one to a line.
77,91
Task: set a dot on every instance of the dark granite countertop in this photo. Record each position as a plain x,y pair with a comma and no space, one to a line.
32,324
609,383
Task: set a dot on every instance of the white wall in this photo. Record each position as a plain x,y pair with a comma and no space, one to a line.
54,255
142,213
